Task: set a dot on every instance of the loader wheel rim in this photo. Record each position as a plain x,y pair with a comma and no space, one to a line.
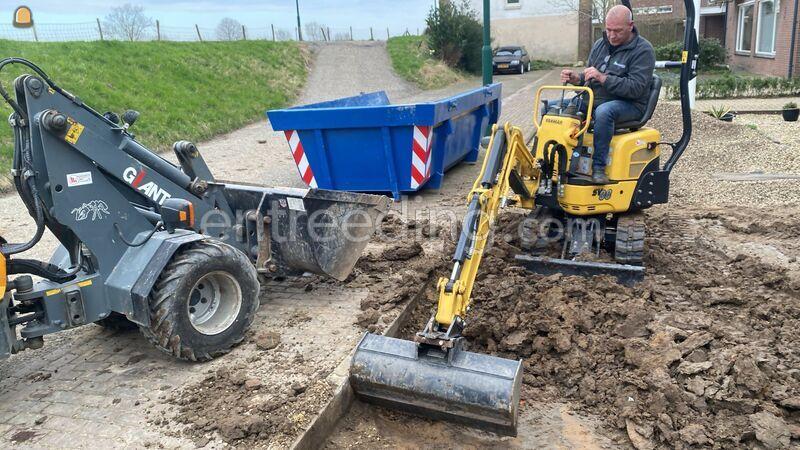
214,303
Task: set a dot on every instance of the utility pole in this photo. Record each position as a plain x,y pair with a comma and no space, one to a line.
299,32
486,53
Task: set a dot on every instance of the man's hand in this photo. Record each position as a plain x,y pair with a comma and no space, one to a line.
593,74
569,76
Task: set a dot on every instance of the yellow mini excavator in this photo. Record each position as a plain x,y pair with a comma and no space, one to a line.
434,375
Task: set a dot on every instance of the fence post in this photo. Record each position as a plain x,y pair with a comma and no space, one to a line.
158,30
387,34
199,37
244,34
324,38
273,31
329,34
351,33
371,37
35,36
99,29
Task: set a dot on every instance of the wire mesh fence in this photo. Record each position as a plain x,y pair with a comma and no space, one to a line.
98,31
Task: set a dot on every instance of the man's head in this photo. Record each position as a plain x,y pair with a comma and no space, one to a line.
619,25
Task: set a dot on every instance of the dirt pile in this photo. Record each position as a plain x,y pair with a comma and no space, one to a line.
401,261
704,352
244,411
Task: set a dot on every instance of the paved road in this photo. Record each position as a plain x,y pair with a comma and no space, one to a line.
90,387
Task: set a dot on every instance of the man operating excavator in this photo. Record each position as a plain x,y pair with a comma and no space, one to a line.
619,71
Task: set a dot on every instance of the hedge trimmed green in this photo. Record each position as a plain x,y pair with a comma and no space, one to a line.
712,53
732,86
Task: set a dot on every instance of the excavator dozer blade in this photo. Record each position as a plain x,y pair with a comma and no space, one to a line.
478,390
325,232
626,274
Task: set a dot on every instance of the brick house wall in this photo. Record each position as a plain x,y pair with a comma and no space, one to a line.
764,64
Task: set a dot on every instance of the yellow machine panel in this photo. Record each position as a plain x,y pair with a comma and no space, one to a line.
630,153
3,276
591,199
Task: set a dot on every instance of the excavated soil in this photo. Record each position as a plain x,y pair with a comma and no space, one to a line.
703,353
244,407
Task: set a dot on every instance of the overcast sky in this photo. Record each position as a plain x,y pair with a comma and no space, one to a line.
254,13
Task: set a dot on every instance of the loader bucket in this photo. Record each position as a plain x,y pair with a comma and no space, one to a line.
470,388
321,231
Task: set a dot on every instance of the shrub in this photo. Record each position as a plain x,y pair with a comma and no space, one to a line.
731,86
712,53
456,36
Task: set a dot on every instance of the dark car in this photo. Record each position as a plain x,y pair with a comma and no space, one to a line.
511,59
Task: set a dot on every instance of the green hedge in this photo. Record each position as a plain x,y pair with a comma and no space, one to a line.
712,52
731,86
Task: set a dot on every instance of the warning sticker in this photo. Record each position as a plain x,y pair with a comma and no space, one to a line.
79,179
296,204
74,132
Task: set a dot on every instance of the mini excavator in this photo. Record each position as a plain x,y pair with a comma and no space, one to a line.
433,375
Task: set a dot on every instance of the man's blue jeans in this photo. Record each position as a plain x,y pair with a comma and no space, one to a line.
605,116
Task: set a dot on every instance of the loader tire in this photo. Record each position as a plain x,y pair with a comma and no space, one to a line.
203,302
116,322
629,240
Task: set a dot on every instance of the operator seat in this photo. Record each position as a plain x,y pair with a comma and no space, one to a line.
652,101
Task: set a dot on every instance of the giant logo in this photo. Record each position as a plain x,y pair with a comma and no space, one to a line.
150,189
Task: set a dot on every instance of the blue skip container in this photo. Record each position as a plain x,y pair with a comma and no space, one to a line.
366,144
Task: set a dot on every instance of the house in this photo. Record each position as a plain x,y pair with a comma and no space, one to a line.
758,34
761,38
547,28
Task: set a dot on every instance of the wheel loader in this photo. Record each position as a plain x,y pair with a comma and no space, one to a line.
434,375
148,243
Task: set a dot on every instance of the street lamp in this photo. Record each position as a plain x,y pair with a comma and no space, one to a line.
299,31
486,53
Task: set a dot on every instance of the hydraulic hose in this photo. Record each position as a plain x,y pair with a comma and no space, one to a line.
23,162
41,269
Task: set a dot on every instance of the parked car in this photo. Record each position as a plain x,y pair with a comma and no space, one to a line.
511,59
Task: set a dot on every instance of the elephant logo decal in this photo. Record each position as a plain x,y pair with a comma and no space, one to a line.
96,209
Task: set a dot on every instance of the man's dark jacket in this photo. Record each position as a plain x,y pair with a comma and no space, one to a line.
629,68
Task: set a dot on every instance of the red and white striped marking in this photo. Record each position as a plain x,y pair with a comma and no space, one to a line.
300,158
421,156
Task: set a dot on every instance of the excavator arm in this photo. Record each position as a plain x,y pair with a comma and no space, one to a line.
509,174
435,376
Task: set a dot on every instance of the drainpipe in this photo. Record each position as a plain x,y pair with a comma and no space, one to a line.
792,44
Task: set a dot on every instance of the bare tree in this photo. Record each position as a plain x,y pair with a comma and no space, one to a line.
283,35
229,30
345,36
313,31
595,10
128,22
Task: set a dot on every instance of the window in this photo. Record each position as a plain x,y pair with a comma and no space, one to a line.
647,10
513,4
744,30
765,36
508,52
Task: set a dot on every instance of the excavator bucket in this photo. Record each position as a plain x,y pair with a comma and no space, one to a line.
478,390
322,232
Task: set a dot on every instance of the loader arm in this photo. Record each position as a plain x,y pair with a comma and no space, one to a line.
509,174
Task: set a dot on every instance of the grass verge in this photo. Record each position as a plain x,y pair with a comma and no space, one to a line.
412,60
184,90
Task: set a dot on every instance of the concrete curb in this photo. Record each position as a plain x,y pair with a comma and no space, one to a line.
324,423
